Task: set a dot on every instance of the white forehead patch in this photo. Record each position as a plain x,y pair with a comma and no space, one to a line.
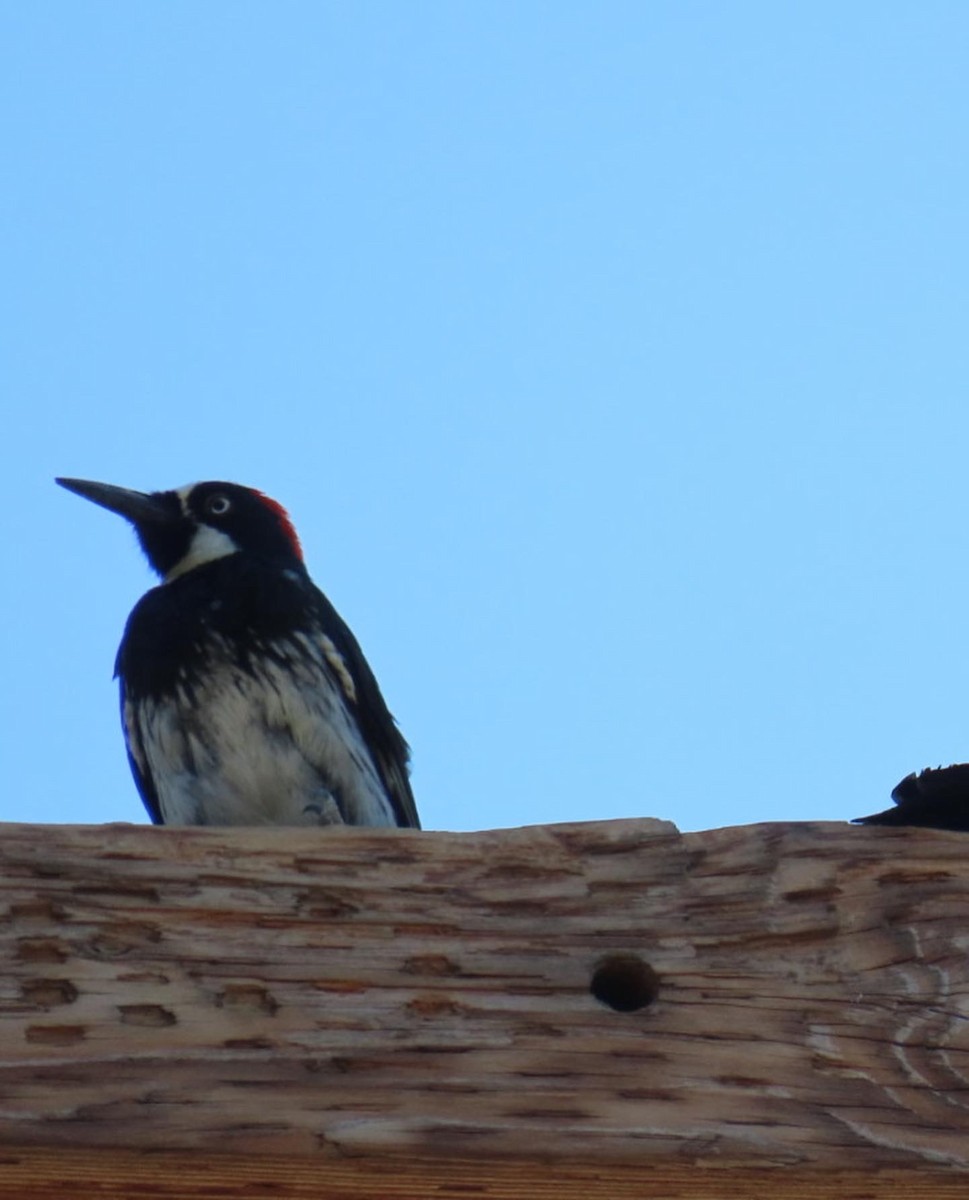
207,545
183,494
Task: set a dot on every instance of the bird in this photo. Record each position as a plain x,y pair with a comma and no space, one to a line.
936,798
245,698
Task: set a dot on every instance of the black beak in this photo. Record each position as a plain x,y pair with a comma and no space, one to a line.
138,507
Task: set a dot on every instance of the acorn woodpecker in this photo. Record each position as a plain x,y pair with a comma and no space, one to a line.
245,699
936,798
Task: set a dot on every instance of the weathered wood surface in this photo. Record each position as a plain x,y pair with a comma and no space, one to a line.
46,1173
394,993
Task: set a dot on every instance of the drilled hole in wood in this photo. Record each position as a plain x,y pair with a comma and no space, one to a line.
625,983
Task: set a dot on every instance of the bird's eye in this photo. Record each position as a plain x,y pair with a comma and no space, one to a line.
218,506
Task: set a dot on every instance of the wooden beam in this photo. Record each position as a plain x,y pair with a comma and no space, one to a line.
781,998
36,1173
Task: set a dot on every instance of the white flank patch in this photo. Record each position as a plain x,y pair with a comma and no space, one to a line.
207,545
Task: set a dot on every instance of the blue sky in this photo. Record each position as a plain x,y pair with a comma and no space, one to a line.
610,358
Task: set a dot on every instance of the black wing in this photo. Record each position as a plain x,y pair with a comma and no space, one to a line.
390,751
137,759
934,799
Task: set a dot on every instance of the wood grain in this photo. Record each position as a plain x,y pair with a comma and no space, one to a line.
366,995
45,1173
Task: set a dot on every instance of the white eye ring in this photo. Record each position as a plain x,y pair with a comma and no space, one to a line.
218,506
